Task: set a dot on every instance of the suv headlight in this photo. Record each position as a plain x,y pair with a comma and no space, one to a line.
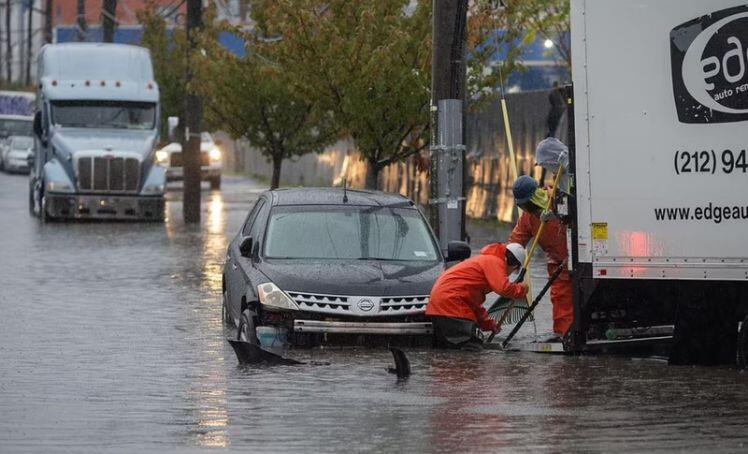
215,154
274,298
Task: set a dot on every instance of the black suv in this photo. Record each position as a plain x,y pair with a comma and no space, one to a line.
313,265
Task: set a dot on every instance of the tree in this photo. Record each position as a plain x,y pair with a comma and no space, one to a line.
108,19
248,98
507,28
367,63
169,55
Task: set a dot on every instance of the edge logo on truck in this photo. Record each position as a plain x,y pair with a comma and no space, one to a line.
709,58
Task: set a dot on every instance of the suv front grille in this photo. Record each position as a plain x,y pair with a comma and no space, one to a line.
360,305
108,174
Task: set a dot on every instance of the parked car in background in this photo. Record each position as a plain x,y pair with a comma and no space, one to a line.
312,266
14,125
211,161
16,154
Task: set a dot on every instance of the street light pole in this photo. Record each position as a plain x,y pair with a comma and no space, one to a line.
447,130
193,114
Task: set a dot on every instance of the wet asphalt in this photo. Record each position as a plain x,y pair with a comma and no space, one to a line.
111,341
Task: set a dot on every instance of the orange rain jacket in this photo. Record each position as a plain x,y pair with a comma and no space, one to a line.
461,290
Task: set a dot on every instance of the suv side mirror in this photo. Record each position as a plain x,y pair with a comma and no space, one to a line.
39,128
172,123
458,251
245,247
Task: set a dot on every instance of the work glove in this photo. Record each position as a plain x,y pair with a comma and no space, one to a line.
525,290
548,215
490,325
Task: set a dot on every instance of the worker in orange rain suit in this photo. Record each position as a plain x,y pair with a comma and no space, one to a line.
533,200
456,302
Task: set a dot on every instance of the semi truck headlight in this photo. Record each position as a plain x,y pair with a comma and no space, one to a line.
57,186
215,154
273,298
153,189
161,157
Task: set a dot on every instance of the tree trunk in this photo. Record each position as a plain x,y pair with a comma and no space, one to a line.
372,175
277,163
48,19
108,19
8,47
82,25
29,41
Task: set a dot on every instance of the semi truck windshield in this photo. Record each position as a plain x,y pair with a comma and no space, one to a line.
104,114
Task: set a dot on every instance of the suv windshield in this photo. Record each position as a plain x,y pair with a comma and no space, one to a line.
104,114
15,127
349,233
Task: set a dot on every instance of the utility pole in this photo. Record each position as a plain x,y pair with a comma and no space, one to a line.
193,114
448,75
108,19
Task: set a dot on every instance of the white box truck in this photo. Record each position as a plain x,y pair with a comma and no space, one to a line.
97,124
659,216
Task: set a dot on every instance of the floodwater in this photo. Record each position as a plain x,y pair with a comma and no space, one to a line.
111,340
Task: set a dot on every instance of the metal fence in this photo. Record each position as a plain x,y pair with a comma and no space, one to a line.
488,180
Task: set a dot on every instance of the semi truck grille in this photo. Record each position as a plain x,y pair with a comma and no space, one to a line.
96,173
177,160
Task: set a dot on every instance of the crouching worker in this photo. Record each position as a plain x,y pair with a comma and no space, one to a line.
456,302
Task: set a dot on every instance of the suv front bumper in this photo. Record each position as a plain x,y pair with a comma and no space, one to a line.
387,329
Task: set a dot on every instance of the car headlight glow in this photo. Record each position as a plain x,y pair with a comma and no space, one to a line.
153,189
215,154
274,298
161,156
56,186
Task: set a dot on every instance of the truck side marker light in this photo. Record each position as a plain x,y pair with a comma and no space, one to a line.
150,86
88,83
103,84
603,272
118,84
54,83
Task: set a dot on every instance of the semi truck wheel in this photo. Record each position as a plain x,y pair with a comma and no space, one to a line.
743,344
247,330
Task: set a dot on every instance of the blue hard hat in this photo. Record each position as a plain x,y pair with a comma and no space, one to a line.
524,188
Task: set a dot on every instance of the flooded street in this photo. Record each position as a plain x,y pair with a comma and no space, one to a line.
111,340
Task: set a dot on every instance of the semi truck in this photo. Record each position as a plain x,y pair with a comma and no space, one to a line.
96,124
658,214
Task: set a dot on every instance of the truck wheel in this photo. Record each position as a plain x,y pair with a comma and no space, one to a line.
215,183
43,214
32,202
743,345
247,331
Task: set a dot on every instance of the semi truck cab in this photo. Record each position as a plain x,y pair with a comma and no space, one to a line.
96,125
